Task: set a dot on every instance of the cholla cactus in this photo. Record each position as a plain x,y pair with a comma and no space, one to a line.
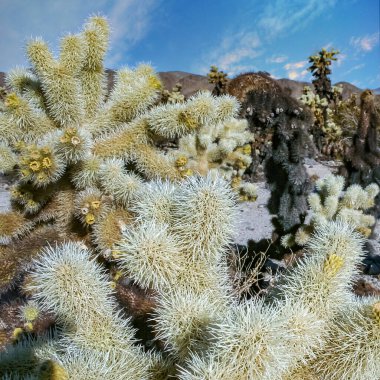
320,69
180,253
330,202
173,96
171,238
359,324
219,79
363,161
347,112
272,113
81,155
335,136
224,148
291,144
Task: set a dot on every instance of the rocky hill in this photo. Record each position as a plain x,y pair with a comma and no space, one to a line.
191,83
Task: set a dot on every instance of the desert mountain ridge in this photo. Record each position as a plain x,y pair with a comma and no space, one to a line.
191,83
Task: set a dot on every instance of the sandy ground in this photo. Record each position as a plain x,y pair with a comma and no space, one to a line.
254,220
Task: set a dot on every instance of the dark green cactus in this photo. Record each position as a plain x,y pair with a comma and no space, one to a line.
362,164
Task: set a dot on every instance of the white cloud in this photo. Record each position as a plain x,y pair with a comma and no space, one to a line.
296,70
277,59
354,68
295,65
235,53
282,15
276,18
130,21
365,43
20,20
228,60
297,75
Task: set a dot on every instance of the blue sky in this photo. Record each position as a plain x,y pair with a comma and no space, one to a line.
190,35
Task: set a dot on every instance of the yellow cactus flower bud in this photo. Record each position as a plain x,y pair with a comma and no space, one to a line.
75,140
240,164
17,332
90,218
117,275
247,149
12,101
28,326
181,161
42,177
31,203
185,118
71,131
154,82
332,264
20,145
186,173
51,370
15,193
35,166
46,162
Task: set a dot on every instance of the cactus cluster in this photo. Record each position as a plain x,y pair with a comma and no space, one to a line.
336,137
99,211
331,203
259,121
201,329
80,154
224,148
